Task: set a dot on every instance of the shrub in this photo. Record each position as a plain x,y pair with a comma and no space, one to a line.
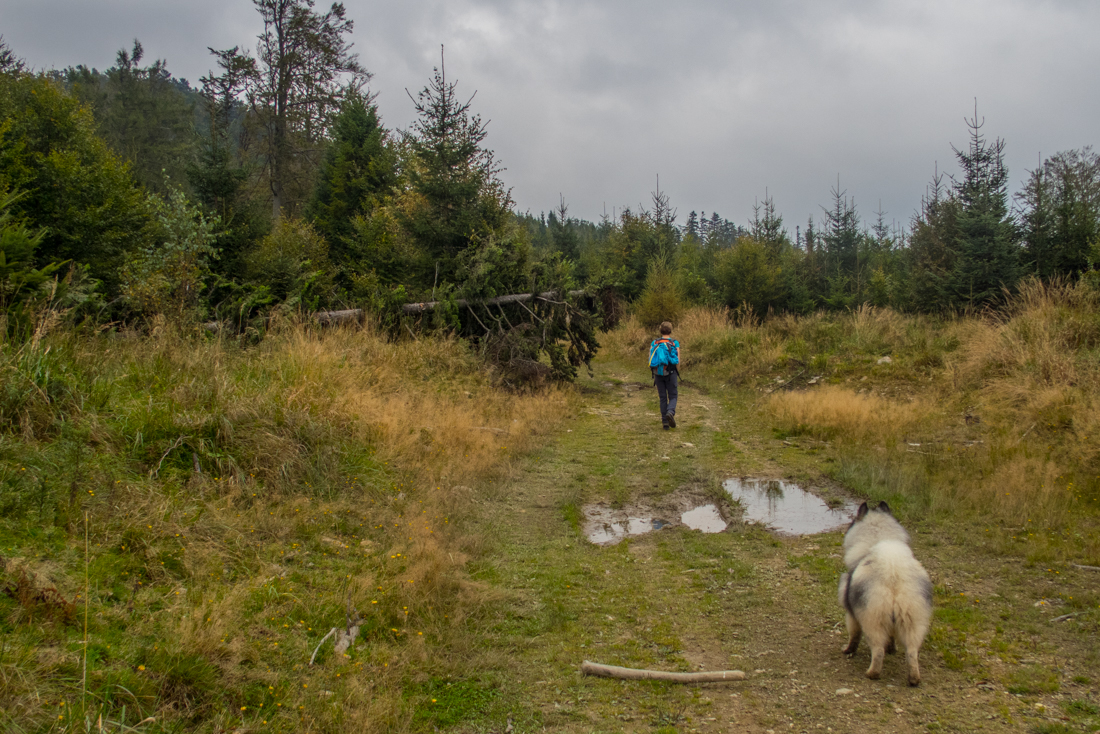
661,299
167,278
746,275
293,262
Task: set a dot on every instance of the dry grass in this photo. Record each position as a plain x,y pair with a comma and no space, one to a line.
628,340
711,338
335,470
1033,376
1004,405
841,414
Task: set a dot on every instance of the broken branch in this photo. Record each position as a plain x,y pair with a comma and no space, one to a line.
614,671
1064,617
313,657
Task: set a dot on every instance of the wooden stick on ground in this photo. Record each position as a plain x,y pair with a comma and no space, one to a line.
614,671
313,657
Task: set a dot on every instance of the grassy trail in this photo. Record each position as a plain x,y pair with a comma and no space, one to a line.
677,599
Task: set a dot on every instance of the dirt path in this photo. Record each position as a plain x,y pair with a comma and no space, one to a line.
678,599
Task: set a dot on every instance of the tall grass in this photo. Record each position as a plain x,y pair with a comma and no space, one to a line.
242,502
1033,375
709,337
837,413
738,348
1002,419
995,415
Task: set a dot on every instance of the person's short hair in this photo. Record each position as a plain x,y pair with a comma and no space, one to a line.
666,327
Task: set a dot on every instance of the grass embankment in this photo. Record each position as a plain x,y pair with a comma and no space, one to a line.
995,417
209,512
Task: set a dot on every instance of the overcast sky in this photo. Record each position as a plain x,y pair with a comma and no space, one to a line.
723,100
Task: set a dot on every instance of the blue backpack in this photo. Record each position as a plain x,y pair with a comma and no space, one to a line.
664,356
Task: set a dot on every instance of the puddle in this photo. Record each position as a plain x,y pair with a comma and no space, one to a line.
782,506
706,518
606,525
786,508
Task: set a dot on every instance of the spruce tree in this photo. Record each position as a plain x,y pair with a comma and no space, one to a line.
142,113
9,62
563,232
767,226
1060,216
931,253
987,243
692,228
221,170
20,279
72,184
1037,224
457,195
358,171
714,228
841,238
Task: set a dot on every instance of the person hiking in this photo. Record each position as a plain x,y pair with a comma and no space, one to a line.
664,363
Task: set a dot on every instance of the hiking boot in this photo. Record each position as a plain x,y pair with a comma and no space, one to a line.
664,424
670,418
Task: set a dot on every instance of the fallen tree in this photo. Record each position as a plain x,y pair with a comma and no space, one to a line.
352,315
415,308
530,337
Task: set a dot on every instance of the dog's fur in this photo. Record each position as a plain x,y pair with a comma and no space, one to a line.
886,593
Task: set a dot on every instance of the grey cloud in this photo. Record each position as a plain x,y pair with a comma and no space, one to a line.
723,100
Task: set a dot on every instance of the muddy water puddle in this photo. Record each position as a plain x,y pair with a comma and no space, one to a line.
607,525
706,518
784,507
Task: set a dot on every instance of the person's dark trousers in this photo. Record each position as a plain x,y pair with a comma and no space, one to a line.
667,391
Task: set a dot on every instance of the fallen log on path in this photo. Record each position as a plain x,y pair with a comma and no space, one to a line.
614,671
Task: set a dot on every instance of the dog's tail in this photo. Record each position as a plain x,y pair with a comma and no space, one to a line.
914,619
902,613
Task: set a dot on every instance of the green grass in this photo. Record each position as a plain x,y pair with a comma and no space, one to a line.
824,570
446,703
1033,679
236,510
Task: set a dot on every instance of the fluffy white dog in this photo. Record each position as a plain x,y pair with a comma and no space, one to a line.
886,593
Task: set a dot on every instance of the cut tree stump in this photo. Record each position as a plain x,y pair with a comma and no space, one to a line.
614,671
